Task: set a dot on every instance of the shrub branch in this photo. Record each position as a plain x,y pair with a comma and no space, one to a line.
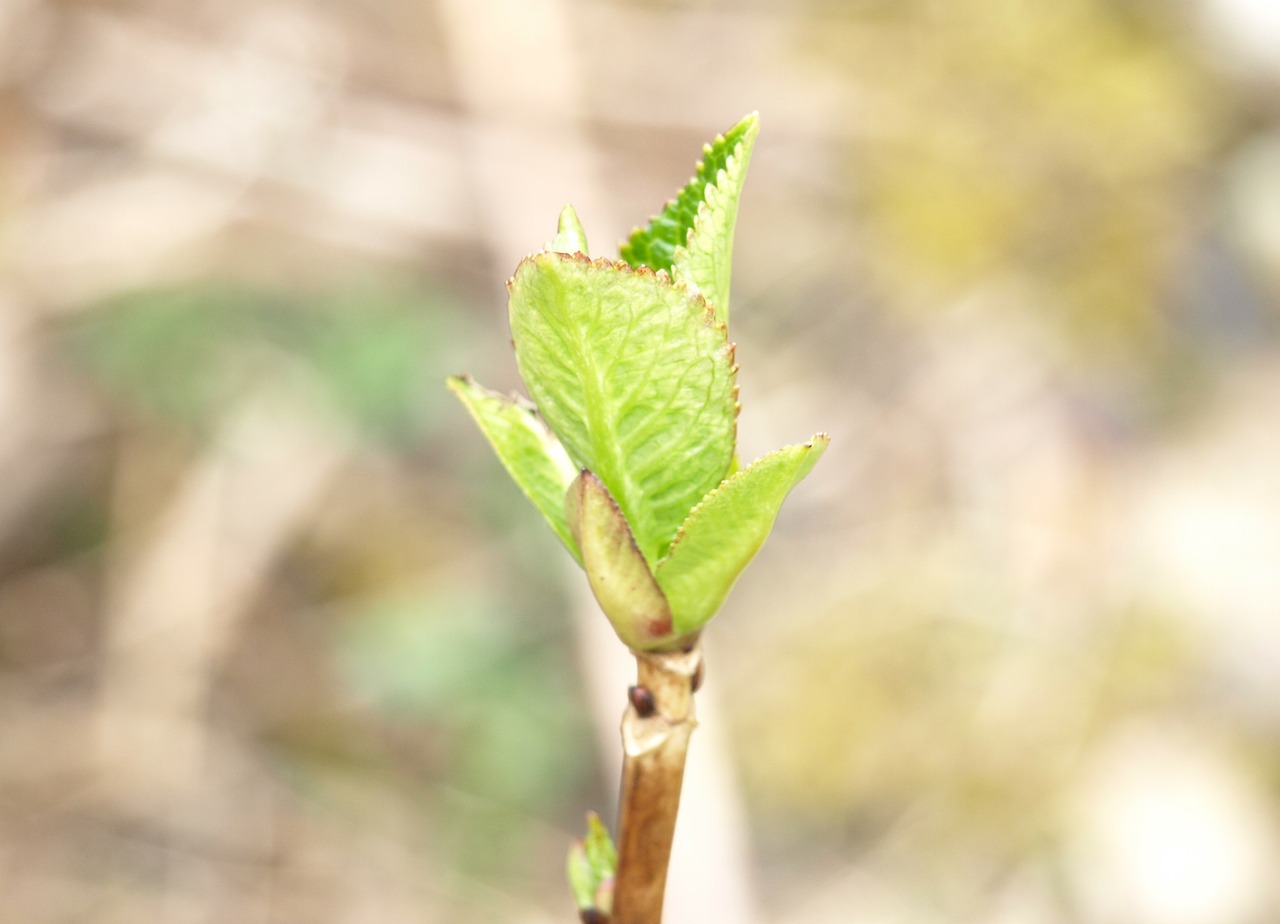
655,738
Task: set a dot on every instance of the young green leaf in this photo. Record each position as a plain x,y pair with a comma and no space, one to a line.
655,245
635,376
532,455
601,853
570,236
618,574
706,258
725,531
581,881
592,865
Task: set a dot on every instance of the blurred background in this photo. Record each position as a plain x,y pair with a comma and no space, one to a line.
280,642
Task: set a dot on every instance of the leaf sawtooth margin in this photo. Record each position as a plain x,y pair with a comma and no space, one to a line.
531,454
635,376
705,258
724,532
655,244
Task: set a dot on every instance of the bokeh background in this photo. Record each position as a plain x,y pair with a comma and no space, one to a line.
279,642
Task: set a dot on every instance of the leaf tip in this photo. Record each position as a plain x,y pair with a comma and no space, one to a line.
570,236
463,385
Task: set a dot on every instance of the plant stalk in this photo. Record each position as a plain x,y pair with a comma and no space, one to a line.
655,739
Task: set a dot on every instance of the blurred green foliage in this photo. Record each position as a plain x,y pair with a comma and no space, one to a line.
458,705
367,353
1049,150
506,700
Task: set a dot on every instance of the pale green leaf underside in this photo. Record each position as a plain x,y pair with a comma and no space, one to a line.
582,881
533,456
570,236
706,259
726,530
636,378
619,576
655,245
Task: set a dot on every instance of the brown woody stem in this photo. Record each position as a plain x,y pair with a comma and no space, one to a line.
654,749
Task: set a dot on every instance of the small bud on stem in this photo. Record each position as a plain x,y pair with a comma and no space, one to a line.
642,701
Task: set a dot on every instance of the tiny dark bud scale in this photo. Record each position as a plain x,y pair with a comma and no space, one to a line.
642,701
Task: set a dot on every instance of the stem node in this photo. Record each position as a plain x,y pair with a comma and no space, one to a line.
655,737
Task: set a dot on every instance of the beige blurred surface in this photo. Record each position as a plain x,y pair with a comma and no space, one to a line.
279,642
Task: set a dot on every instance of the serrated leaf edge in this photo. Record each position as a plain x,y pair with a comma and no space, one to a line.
810,443
709,314
620,265
698,174
687,624
728,175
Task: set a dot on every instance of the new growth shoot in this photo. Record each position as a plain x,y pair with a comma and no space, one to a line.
628,450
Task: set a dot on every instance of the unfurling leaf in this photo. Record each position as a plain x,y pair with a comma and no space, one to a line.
592,866
619,576
656,245
725,531
532,455
581,882
600,850
570,236
706,260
